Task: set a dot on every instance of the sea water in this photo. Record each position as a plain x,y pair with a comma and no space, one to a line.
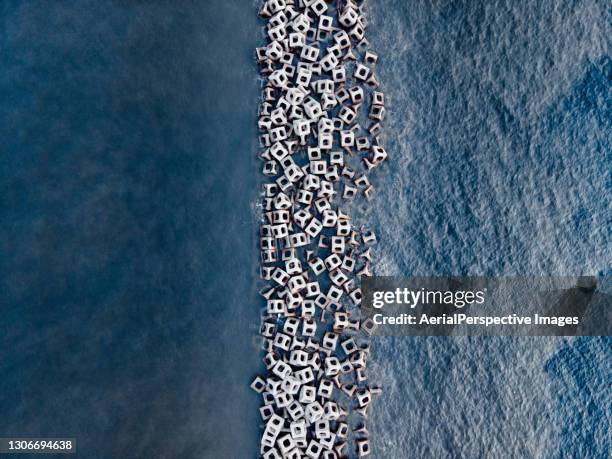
128,235
499,133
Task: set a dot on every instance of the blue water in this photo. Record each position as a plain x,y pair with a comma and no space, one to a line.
128,223
500,136
127,232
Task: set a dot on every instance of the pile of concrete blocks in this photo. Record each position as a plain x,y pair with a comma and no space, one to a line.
320,124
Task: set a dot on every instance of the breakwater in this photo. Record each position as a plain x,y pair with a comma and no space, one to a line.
320,121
